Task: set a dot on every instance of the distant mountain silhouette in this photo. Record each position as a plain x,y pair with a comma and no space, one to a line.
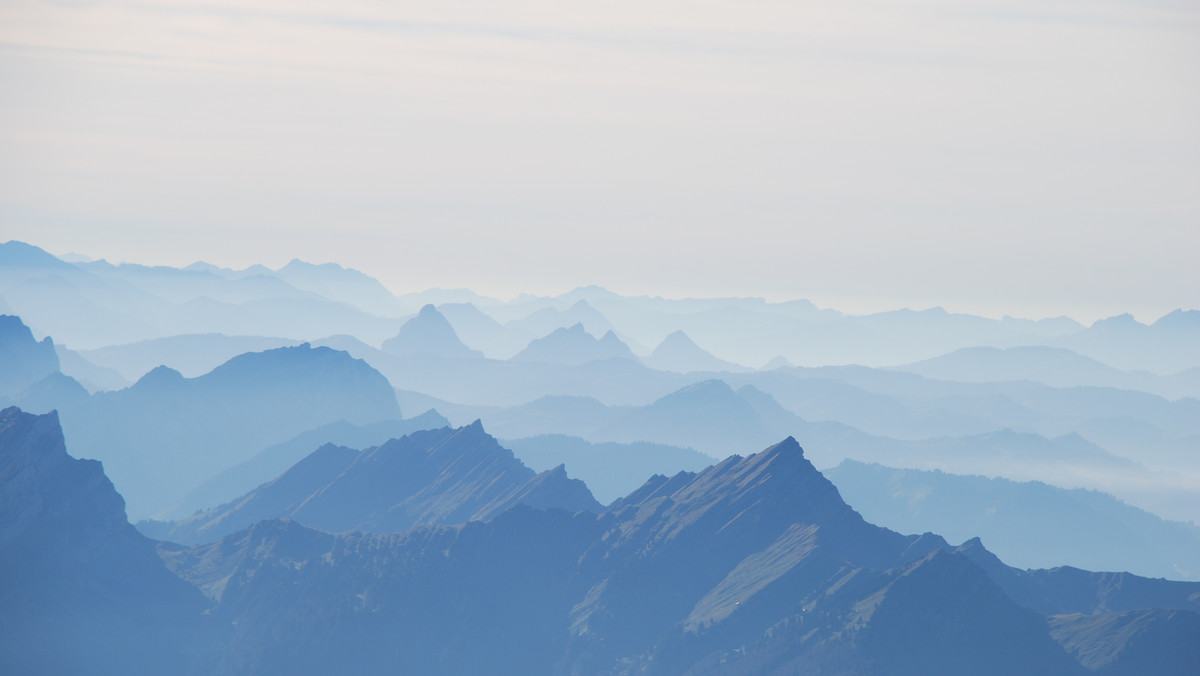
1165,346
482,332
712,417
428,334
549,319
777,362
345,285
678,353
1031,525
95,304
574,345
23,360
165,435
1053,366
444,476
191,354
92,376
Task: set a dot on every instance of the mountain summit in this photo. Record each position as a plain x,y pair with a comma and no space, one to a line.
428,333
443,476
677,352
574,345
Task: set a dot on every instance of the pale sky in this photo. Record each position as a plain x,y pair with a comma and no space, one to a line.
1024,157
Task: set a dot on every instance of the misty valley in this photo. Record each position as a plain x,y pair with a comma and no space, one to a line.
295,471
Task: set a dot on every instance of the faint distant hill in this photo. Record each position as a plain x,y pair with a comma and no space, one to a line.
1057,367
192,354
1030,525
548,319
23,359
713,418
93,304
428,333
574,346
272,461
167,434
429,477
1166,346
678,353
77,307
611,470
344,285
482,332
92,376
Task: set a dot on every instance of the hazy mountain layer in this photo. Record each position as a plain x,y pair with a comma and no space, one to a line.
275,460
192,355
574,346
164,436
610,469
428,477
23,360
428,334
91,305
1030,525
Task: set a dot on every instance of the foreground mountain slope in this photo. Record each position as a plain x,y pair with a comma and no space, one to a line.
81,591
754,565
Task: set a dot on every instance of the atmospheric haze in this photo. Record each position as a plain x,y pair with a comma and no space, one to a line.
1023,158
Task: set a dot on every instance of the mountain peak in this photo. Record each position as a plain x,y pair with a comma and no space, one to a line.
680,354
574,345
159,376
430,333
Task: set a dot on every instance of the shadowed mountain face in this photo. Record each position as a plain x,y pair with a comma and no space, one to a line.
429,477
167,434
81,591
751,566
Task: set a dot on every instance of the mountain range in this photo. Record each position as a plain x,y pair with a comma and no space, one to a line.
429,477
754,565
95,304
165,435
1028,524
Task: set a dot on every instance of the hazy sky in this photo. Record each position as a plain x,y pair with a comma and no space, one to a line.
1028,157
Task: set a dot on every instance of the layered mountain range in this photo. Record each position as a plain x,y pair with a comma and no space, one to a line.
430,477
753,565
